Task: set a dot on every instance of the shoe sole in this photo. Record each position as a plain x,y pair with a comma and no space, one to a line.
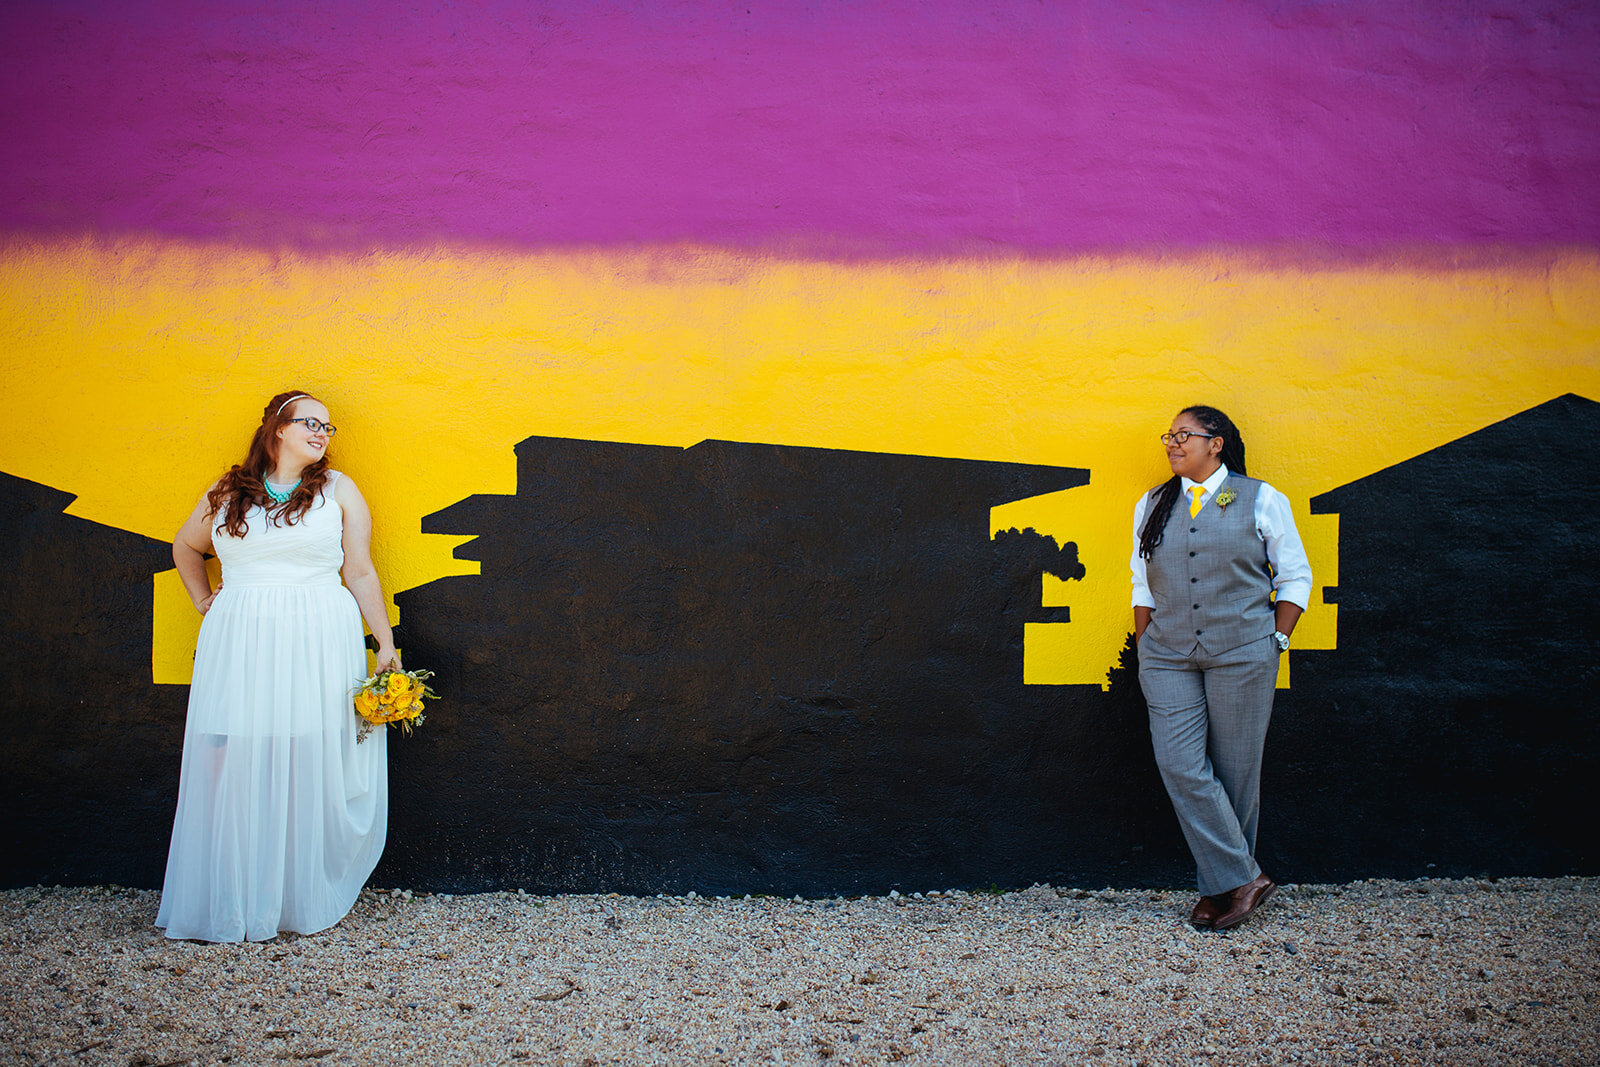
1266,895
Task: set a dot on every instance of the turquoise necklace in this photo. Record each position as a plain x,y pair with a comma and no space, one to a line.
283,497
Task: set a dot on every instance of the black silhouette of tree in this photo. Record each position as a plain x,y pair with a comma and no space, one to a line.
1123,695
1060,561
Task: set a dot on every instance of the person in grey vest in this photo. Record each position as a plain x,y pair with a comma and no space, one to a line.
1219,580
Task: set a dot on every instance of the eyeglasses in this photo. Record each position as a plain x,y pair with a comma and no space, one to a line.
1182,437
318,426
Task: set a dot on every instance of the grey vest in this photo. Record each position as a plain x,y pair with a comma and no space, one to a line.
1209,575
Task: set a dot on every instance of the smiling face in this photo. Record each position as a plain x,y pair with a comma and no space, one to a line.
1198,457
298,446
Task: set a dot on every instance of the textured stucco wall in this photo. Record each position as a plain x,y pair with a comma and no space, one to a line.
1365,229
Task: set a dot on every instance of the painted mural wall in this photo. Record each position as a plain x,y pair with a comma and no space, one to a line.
752,402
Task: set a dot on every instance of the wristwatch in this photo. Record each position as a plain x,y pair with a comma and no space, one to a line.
1282,640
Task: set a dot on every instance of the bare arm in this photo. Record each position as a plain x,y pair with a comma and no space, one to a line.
1287,613
360,576
189,549
1141,619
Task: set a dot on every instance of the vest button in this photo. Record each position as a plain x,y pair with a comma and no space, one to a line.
1194,529
1197,607
1191,553
1193,580
1197,633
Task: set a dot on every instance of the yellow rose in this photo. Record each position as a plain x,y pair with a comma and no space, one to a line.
398,684
366,701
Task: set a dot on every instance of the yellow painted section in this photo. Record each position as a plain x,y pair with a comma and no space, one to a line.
135,372
1045,647
1056,592
172,657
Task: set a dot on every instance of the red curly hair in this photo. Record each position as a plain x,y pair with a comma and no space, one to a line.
245,483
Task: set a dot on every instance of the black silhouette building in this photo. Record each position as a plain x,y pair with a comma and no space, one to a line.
746,667
89,745
1455,728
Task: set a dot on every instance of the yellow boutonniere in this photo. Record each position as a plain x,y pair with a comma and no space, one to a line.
1226,497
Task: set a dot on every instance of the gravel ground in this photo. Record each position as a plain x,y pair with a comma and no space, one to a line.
1436,971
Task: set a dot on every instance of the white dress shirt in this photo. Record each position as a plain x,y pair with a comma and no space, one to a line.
1291,570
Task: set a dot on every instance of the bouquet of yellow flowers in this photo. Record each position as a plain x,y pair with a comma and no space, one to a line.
393,697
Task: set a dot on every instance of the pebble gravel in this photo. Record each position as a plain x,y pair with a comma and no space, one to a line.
1458,972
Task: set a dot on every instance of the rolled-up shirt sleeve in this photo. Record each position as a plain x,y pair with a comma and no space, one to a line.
1291,569
1141,584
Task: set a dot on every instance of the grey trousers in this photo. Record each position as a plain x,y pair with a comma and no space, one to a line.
1208,722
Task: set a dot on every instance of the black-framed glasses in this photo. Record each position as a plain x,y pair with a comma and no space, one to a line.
1181,437
318,426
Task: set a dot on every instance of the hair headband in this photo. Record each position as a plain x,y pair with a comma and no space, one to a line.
291,400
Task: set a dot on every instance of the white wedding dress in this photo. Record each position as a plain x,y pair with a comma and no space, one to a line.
281,815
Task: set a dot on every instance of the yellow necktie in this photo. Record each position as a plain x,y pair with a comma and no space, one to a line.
1194,509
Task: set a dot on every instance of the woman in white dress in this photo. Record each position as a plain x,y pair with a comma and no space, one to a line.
281,814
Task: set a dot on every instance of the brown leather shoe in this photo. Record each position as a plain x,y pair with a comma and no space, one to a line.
1207,910
1242,902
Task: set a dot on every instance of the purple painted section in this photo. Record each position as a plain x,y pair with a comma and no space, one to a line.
938,125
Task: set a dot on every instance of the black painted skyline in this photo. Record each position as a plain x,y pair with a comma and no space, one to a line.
89,746
741,667
738,666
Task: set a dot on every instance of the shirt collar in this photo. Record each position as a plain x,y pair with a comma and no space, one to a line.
1211,484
